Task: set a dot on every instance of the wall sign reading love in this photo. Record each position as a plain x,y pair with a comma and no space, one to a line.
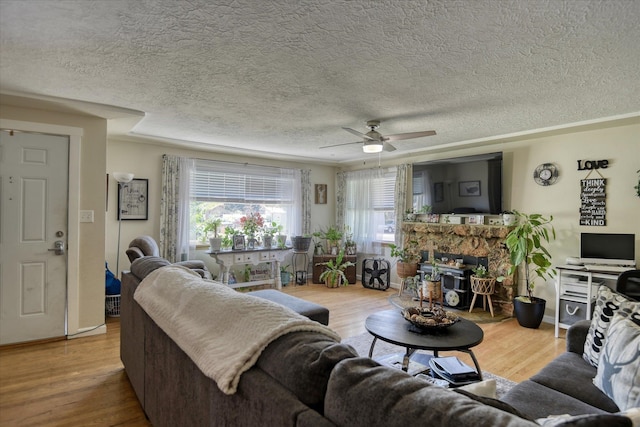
593,194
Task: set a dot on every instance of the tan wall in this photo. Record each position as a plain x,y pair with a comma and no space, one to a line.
92,190
145,161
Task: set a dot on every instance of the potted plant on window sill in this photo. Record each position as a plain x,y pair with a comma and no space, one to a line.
211,227
333,274
526,247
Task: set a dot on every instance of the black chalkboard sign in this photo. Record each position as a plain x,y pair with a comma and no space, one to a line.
593,203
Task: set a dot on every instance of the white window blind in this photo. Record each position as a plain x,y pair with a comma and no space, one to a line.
231,182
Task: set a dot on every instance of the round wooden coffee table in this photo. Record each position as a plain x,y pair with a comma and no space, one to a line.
390,326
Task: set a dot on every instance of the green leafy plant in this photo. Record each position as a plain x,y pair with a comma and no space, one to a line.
434,275
409,254
211,226
480,271
425,209
227,240
334,269
526,246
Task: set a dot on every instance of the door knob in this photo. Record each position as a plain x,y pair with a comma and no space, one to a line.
58,247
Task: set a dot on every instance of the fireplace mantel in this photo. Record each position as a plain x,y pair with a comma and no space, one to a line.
474,240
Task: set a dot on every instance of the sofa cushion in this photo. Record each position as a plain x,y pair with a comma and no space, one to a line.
619,368
608,302
141,267
537,401
363,393
571,375
302,363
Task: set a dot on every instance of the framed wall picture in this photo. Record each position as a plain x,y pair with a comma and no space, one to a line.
321,194
133,199
238,242
469,188
438,192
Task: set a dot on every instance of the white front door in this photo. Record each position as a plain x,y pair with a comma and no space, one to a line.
33,222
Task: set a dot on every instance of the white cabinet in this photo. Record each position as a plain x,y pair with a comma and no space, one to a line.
274,256
576,292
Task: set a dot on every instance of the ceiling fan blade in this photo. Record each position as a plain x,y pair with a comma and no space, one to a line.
410,135
360,134
338,145
388,147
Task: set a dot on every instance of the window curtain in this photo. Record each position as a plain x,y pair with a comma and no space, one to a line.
404,176
174,207
341,183
306,200
294,212
359,207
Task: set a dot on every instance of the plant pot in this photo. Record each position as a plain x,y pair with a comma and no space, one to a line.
405,270
282,240
267,241
350,250
215,243
285,278
300,244
333,282
529,315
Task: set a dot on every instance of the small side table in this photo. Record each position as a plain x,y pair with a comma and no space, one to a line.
300,274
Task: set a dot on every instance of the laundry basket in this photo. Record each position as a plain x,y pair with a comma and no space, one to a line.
112,305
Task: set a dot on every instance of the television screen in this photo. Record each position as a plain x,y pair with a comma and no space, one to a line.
607,246
462,185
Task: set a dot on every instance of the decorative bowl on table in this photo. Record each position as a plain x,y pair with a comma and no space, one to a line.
428,320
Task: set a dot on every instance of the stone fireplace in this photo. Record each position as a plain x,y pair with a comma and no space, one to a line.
471,240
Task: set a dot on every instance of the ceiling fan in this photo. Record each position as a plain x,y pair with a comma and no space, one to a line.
374,142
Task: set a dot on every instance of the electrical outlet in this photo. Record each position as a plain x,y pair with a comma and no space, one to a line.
86,216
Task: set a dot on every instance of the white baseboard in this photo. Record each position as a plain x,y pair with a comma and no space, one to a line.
87,332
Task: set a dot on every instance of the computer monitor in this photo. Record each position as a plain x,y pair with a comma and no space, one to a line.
608,248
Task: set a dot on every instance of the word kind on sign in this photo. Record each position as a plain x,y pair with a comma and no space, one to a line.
593,206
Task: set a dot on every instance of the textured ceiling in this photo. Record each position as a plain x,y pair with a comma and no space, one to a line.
280,78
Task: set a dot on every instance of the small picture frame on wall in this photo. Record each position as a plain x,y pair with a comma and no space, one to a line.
321,194
133,200
238,242
469,188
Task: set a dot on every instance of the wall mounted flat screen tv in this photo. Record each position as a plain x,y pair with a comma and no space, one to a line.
607,248
462,185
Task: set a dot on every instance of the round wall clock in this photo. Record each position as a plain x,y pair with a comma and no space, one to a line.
545,174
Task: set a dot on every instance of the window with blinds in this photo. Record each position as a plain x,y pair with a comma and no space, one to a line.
231,191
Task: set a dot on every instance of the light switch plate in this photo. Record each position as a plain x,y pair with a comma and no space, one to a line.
86,216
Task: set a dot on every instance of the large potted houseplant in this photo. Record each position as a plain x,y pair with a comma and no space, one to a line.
333,274
526,247
408,258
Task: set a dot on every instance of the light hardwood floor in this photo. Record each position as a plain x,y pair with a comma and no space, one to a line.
82,382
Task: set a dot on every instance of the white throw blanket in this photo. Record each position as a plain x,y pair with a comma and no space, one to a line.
221,330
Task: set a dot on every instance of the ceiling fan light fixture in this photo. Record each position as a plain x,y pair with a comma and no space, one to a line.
372,146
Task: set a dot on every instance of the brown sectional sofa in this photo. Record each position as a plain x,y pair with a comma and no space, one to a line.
300,379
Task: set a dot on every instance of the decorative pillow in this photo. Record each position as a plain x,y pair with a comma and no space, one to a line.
633,414
618,374
486,388
608,303
589,420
